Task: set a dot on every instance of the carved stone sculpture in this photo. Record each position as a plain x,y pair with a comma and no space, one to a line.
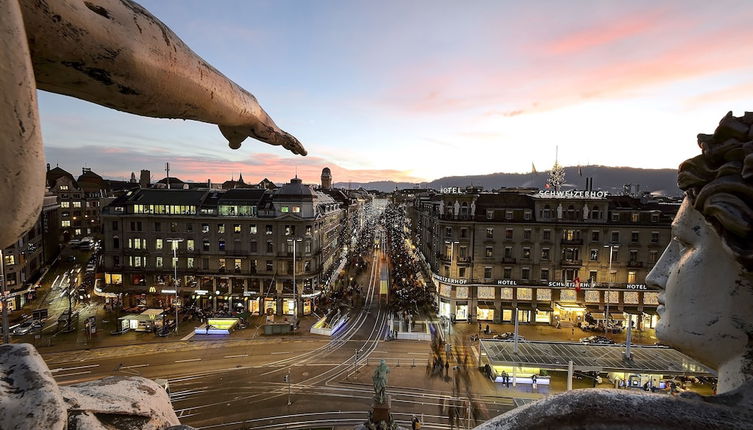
113,53
706,304
31,399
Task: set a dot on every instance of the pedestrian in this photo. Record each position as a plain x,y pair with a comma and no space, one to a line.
572,331
487,329
447,368
207,328
533,381
479,326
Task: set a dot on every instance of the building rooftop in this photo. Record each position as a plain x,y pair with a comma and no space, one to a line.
606,358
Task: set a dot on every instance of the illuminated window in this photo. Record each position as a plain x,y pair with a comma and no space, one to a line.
284,209
296,209
252,229
189,245
65,204
220,228
64,187
189,262
159,244
237,228
76,204
65,223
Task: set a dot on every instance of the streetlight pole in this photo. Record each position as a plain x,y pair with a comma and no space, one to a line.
609,284
295,288
174,243
6,333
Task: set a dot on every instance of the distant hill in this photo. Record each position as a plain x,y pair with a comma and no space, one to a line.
659,181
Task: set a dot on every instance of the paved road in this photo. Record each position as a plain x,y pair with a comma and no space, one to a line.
238,384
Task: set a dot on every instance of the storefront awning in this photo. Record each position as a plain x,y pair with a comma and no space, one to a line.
650,311
483,305
571,307
544,307
525,306
633,310
598,316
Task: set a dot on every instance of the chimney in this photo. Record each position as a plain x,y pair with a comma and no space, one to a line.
48,167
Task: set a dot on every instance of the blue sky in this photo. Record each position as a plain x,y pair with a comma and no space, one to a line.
424,89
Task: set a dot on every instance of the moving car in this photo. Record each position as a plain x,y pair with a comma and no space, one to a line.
26,327
508,336
601,340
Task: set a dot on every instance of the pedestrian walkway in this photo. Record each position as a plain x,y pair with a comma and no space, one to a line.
547,332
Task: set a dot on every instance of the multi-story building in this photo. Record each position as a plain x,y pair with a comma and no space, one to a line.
80,200
24,260
230,248
552,256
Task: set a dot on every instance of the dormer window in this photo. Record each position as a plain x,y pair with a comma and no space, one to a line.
296,209
284,209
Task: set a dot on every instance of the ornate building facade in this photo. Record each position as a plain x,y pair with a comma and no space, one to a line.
236,247
552,255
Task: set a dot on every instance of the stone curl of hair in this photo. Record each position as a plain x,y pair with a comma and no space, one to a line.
719,183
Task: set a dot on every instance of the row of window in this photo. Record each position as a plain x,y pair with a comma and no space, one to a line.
567,234
223,264
290,229
159,244
544,274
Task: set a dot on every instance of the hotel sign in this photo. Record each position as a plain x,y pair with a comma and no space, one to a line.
450,280
636,287
452,190
573,194
507,282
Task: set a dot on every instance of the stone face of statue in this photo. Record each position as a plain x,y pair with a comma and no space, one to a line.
707,297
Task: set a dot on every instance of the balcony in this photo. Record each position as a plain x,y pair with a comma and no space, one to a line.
443,258
464,260
635,264
508,260
568,262
571,241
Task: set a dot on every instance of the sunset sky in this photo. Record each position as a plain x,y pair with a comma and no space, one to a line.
417,90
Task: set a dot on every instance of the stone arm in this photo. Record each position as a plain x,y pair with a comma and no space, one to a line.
116,54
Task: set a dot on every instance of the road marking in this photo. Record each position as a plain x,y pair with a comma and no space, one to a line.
73,374
282,352
187,360
188,336
418,353
73,368
236,356
134,366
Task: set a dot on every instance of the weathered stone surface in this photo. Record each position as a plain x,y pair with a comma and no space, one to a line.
21,154
29,396
31,399
134,401
597,409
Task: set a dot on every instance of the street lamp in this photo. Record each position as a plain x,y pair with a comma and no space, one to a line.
295,289
6,333
609,284
174,243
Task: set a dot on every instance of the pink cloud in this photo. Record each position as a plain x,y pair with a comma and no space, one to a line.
607,32
120,162
635,53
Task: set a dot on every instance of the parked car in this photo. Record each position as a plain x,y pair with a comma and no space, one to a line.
26,327
508,336
597,340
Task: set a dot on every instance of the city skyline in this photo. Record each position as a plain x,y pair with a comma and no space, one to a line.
457,87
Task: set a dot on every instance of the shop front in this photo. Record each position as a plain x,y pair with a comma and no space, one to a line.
572,312
444,308
543,314
461,311
485,311
270,305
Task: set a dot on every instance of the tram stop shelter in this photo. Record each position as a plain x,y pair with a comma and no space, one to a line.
647,363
